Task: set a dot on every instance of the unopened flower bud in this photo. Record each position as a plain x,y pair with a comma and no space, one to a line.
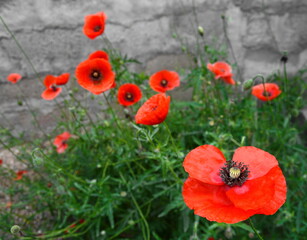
248,84
15,229
200,30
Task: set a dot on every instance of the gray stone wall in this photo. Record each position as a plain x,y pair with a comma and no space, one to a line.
50,32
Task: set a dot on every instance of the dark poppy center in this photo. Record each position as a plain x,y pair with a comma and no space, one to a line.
266,94
96,76
129,97
164,83
54,88
233,173
97,28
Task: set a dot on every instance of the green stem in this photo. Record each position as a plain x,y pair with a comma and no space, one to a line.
286,78
113,113
31,111
230,46
255,231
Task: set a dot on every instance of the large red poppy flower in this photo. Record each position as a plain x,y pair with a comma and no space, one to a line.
95,75
164,80
61,142
94,24
51,83
14,77
222,70
99,54
129,94
230,192
266,92
154,110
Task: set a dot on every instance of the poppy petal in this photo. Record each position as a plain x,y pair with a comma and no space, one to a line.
259,162
50,93
154,110
99,54
210,201
14,77
62,79
257,193
49,81
62,148
203,163
280,192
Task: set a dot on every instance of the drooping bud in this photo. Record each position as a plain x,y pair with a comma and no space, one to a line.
200,31
15,229
248,84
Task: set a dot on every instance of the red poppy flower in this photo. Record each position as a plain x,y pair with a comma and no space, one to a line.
154,110
95,75
94,24
222,70
19,174
164,80
230,192
14,77
267,92
1,161
61,142
99,54
51,83
129,94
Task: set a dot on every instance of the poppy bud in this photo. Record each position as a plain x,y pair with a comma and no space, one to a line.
248,84
200,30
15,229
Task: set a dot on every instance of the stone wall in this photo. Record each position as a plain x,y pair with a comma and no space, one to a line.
50,32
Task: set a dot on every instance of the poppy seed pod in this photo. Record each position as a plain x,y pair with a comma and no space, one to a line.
248,84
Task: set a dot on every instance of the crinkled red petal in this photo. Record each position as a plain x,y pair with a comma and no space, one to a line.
172,78
50,94
99,54
259,162
154,110
132,89
49,81
267,193
204,163
280,192
210,201
62,79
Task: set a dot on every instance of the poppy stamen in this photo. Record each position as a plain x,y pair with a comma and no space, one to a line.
96,75
54,88
266,94
234,174
164,83
129,97
97,28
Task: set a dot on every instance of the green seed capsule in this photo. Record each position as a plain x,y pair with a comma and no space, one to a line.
234,172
